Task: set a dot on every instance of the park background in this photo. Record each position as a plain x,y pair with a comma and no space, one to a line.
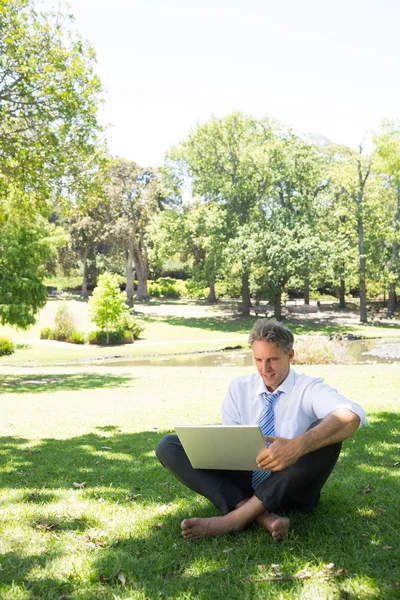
251,168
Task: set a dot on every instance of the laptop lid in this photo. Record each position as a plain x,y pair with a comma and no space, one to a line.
231,447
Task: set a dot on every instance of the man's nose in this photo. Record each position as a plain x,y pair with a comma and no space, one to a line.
266,365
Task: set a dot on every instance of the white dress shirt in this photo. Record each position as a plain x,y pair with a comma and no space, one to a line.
303,401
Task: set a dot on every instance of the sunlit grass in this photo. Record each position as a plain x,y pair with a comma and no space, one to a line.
87,512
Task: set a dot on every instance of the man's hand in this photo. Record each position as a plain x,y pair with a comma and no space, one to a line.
280,454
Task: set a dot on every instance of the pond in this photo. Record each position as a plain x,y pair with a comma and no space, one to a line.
359,351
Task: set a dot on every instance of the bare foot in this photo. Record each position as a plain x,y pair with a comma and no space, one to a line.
196,528
276,525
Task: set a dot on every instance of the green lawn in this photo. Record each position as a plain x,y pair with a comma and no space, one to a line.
164,334
86,511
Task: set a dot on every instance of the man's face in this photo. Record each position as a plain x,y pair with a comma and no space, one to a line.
272,363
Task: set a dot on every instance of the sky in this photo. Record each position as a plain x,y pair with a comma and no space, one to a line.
319,66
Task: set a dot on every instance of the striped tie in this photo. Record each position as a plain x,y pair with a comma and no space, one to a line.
268,428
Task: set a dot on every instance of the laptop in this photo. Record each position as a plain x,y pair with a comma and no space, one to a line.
231,447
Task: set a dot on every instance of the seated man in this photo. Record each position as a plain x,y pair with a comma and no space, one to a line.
304,422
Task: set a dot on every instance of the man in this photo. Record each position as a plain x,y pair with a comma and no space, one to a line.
304,422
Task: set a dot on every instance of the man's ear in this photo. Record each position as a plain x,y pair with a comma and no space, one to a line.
290,355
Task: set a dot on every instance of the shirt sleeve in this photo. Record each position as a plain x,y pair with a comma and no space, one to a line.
229,409
326,399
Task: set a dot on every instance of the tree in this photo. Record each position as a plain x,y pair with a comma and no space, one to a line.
49,136
228,163
351,175
107,305
134,196
26,243
387,144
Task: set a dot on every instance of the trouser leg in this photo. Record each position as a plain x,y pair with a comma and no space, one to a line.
298,487
225,489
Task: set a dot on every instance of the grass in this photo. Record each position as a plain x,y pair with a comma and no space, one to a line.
87,512
164,334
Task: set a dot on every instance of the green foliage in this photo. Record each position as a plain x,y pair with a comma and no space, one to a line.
107,305
49,146
167,287
132,327
46,333
7,346
25,244
64,323
76,337
104,338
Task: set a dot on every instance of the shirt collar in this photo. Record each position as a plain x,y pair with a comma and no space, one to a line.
286,386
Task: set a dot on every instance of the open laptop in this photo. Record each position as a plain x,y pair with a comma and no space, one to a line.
232,447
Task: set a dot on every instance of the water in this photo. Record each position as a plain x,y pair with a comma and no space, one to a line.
359,351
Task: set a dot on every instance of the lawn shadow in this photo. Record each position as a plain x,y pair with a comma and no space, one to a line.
37,384
120,469
243,325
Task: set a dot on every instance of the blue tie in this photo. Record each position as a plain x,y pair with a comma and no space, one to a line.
268,428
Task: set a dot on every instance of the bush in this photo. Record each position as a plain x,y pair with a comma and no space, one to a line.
100,337
46,333
133,326
167,287
319,350
64,324
7,346
76,337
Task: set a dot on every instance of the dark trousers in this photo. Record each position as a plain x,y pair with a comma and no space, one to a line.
296,488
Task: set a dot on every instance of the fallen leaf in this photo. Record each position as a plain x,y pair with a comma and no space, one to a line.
368,489
397,464
106,448
101,477
160,525
303,574
227,550
79,485
379,511
364,535
121,578
276,567
129,498
329,566
93,541
44,527
261,567
387,548
340,572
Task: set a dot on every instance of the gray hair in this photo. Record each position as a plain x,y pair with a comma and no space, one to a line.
273,332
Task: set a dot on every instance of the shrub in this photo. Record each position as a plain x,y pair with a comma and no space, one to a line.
319,350
132,325
64,323
7,346
107,306
102,338
167,287
46,333
76,337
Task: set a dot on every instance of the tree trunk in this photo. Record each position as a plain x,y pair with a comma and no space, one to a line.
212,298
84,291
142,271
245,295
130,280
362,263
278,306
392,297
342,294
362,179
307,292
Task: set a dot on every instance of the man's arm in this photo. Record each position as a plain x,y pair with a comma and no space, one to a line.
282,453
